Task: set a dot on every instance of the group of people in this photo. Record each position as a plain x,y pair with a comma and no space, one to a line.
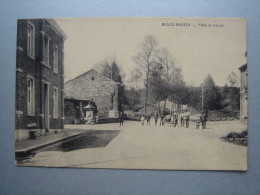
202,120
175,118
182,119
156,118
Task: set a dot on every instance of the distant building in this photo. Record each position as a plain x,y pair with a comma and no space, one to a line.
97,89
39,77
243,94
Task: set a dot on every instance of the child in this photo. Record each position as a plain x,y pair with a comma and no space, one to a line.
142,120
198,124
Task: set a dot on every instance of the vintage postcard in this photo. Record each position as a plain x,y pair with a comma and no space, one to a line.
132,93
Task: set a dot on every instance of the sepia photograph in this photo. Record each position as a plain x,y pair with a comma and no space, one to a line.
132,93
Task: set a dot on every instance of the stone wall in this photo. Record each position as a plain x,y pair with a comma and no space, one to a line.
98,88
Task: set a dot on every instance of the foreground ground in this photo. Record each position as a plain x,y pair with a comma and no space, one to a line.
154,147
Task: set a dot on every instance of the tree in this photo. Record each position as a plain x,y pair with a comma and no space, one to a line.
160,88
232,79
110,69
194,97
171,79
211,94
230,98
132,97
116,75
145,59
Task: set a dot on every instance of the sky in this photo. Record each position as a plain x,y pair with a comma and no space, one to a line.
201,46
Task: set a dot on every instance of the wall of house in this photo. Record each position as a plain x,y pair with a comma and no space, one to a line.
243,96
26,65
97,88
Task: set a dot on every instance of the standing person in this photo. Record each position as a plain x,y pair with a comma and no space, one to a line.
156,118
148,117
161,120
198,124
181,119
174,117
142,120
121,119
203,119
186,120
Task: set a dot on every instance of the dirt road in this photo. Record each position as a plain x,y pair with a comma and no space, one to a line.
156,147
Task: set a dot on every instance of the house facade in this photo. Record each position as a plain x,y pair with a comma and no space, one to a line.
106,94
39,77
243,94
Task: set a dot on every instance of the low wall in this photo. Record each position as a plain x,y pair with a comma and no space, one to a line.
108,120
221,115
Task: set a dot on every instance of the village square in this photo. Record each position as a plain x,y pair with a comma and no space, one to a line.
110,116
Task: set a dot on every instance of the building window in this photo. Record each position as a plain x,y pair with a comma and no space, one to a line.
46,49
55,102
30,95
55,59
30,39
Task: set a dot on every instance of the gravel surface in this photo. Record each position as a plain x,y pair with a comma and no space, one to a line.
156,147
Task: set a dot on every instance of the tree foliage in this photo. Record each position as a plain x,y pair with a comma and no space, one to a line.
211,94
160,79
132,97
110,69
232,79
145,59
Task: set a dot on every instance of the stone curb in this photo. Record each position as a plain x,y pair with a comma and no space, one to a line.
36,147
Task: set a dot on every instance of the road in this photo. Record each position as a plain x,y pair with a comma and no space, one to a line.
155,147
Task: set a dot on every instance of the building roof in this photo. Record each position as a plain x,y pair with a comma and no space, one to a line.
56,28
75,88
93,70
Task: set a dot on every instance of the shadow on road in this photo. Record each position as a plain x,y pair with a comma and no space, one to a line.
90,139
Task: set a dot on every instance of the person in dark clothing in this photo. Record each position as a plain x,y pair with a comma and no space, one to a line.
187,120
203,119
175,119
156,118
121,119
161,120
148,117
182,119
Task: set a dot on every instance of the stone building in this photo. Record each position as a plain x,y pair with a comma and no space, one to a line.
243,94
91,86
74,110
39,77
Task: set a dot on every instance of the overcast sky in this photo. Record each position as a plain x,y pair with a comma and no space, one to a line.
200,50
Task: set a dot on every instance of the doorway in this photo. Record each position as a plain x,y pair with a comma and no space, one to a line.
46,119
